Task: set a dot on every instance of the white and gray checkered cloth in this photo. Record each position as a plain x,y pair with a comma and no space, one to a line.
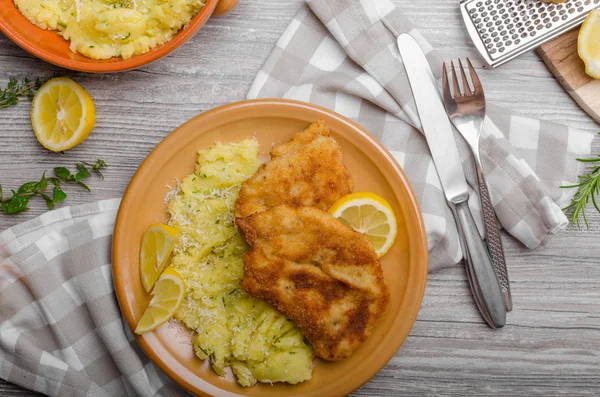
61,330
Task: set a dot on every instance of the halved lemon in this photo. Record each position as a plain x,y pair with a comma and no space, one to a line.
167,296
370,214
588,44
157,246
62,114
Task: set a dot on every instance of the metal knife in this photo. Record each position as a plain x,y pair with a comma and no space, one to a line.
440,138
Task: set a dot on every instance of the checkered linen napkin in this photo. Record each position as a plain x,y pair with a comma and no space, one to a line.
342,54
61,330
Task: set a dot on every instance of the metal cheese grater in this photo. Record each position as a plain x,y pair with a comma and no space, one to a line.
505,29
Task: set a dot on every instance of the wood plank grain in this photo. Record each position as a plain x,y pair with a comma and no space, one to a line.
550,345
561,57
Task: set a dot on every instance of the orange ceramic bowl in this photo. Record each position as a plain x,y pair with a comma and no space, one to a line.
49,46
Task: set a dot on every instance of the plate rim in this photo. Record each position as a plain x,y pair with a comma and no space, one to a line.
422,260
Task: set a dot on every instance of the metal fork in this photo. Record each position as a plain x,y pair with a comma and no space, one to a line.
467,113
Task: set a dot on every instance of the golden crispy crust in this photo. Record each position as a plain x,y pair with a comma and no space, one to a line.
305,171
319,272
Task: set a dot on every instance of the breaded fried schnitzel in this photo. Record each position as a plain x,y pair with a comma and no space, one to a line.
319,272
305,171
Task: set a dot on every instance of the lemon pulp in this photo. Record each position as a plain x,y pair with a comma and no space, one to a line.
62,114
370,214
157,245
166,299
588,44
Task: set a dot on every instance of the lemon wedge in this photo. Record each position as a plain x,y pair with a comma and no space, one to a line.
588,44
62,114
167,296
370,214
157,245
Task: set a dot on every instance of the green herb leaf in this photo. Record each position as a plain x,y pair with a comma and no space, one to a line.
83,171
83,185
43,184
62,172
55,181
16,204
48,200
99,165
58,195
27,188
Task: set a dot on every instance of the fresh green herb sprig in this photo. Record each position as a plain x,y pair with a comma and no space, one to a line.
588,188
19,90
19,200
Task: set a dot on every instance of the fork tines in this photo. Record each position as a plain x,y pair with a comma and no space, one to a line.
468,91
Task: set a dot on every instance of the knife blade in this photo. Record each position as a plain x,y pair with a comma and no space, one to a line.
439,133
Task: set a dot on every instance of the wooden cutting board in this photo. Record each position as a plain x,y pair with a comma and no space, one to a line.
560,55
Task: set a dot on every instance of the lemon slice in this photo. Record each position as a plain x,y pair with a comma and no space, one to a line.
62,114
167,296
157,246
370,214
588,44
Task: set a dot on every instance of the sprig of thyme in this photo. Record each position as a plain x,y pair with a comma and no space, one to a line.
19,90
588,189
19,200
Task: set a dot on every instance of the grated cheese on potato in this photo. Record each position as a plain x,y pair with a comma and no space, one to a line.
231,328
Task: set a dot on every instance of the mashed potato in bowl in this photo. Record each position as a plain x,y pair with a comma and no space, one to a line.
102,29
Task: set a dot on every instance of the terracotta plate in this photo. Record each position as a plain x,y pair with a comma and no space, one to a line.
271,121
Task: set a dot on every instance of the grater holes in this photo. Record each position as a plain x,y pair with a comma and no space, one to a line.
503,25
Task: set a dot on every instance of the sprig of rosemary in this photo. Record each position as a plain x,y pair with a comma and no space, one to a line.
19,200
19,90
588,189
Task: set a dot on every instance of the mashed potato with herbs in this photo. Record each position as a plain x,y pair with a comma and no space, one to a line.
231,328
102,29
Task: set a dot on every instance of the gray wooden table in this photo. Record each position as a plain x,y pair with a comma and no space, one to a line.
551,343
